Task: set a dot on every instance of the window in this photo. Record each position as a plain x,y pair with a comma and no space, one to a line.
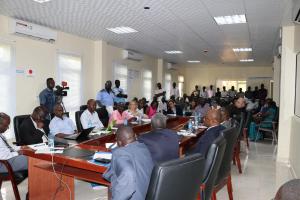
180,85
228,84
147,84
69,67
7,81
121,73
168,79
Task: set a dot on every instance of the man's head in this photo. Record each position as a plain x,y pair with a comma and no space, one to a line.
262,86
256,88
108,85
38,114
224,114
240,102
196,87
4,122
241,90
249,88
218,89
50,83
212,118
159,121
158,85
91,105
117,83
232,88
224,88
203,88
120,107
124,136
58,111
174,85
211,87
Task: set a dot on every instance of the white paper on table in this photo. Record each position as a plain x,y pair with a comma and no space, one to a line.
105,155
38,146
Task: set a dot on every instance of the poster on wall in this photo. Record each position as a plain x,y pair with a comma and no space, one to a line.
297,88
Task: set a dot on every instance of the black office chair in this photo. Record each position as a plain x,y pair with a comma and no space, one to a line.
17,123
213,161
236,155
177,179
77,120
103,115
224,175
245,128
66,114
83,107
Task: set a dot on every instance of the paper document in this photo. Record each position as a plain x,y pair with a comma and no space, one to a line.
105,155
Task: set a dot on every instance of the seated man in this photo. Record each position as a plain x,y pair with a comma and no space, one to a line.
131,167
89,118
226,121
32,128
212,120
60,125
162,143
173,109
7,152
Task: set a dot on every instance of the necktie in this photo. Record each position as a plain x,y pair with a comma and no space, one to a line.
6,143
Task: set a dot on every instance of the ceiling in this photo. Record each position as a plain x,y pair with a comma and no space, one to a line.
186,25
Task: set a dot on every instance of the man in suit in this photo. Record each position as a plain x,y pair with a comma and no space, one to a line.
173,109
32,128
131,167
162,143
212,120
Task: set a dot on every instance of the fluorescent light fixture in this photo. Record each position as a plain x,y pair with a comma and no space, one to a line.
241,49
193,61
122,30
173,52
231,19
41,1
247,60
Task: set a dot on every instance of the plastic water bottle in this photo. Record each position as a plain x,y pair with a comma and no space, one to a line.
51,141
125,122
196,118
190,125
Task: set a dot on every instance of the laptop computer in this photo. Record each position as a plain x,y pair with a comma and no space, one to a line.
82,134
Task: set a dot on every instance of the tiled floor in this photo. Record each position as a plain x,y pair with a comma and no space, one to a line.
261,178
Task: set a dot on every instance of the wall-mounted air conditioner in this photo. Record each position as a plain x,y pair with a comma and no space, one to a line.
132,55
34,31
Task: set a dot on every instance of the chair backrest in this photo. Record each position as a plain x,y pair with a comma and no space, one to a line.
247,120
17,123
213,161
103,116
231,136
177,179
77,120
66,114
83,107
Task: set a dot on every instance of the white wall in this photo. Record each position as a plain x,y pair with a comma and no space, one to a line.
204,75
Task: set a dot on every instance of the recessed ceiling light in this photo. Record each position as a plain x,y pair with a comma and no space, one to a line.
173,52
247,60
241,49
193,61
231,19
122,30
146,7
41,1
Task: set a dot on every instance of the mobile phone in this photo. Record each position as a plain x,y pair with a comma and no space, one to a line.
102,160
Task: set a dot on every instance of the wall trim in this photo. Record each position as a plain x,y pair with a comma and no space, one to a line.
293,172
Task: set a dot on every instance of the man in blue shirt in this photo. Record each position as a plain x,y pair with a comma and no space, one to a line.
47,96
120,97
105,97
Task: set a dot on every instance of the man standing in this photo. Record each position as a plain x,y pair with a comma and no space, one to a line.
224,93
89,118
210,92
131,167
162,143
47,97
232,92
174,91
203,93
212,120
7,152
159,93
262,92
196,92
105,97
120,97
249,93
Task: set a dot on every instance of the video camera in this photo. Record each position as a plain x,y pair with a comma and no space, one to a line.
61,91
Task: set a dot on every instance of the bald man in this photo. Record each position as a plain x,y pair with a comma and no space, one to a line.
213,121
89,118
131,167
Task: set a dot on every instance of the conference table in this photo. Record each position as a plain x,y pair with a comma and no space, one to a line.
52,175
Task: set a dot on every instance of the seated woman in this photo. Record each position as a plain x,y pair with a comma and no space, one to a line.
143,105
118,115
133,112
152,109
173,109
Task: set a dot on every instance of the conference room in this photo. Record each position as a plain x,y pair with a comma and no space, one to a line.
149,99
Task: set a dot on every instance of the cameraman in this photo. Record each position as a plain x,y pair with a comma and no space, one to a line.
47,97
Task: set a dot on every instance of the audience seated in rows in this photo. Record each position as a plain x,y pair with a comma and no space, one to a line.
162,143
89,118
131,167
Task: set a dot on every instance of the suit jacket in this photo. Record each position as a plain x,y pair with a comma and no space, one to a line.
130,172
163,144
29,134
179,111
207,139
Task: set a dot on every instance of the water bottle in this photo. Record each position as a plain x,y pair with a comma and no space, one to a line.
183,112
196,118
51,141
125,122
190,125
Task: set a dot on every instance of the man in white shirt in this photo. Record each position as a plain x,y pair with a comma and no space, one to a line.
210,92
120,97
203,93
174,91
159,93
60,125
7,152
89,118
224,93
